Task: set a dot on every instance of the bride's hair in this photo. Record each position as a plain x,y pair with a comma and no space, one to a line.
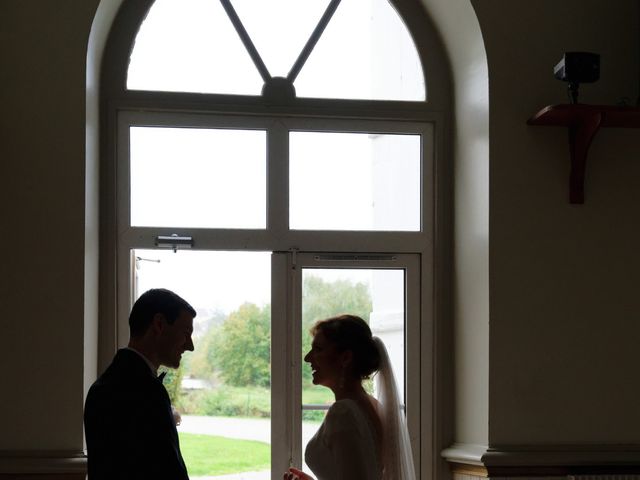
350,332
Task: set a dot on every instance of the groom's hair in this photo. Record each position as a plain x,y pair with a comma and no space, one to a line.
156,300
350,332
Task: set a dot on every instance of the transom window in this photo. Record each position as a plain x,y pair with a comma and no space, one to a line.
273,162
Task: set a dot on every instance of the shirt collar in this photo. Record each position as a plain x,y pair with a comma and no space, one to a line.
151,366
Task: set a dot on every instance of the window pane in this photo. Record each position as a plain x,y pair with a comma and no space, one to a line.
366,52
377,296
223,388
354,181
191,46
279,28
193,177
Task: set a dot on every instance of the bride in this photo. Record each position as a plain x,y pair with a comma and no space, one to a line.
361,438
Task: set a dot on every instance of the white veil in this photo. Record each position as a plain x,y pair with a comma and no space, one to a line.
397,458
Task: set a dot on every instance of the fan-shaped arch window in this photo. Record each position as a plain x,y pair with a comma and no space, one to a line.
349,49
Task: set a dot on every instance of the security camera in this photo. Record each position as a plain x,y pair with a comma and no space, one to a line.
576,68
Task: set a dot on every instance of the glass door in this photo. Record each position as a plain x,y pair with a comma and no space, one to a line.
245,395
222,389
382,289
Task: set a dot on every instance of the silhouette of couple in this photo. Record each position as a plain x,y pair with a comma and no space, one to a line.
130,426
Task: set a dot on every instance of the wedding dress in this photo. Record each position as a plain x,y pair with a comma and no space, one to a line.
344,447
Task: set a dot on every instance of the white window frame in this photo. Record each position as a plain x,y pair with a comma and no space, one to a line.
276,237
120,106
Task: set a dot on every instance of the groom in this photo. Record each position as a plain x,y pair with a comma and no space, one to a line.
129,425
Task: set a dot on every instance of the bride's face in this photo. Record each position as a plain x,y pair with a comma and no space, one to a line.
325,360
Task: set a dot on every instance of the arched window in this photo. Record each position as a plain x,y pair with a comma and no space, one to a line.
274,162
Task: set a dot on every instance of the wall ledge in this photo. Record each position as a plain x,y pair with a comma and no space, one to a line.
465,453
42,462
544,460
552,455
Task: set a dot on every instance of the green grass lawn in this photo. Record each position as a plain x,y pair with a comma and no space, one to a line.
317,395
211,455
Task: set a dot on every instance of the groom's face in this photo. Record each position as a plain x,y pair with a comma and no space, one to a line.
175,339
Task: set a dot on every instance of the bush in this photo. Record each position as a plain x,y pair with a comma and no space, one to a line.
313,415
171,382
229,402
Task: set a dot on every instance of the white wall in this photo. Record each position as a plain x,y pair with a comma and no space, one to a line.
563,278
462,38
544,302
43,52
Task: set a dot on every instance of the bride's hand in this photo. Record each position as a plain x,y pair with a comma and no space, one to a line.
295,474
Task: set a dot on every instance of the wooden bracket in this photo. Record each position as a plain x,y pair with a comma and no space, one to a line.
583,122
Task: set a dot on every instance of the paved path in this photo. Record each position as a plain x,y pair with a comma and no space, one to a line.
242,428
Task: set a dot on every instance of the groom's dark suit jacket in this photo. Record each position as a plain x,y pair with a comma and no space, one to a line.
129,425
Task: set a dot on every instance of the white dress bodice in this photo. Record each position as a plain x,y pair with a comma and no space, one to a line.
344,447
